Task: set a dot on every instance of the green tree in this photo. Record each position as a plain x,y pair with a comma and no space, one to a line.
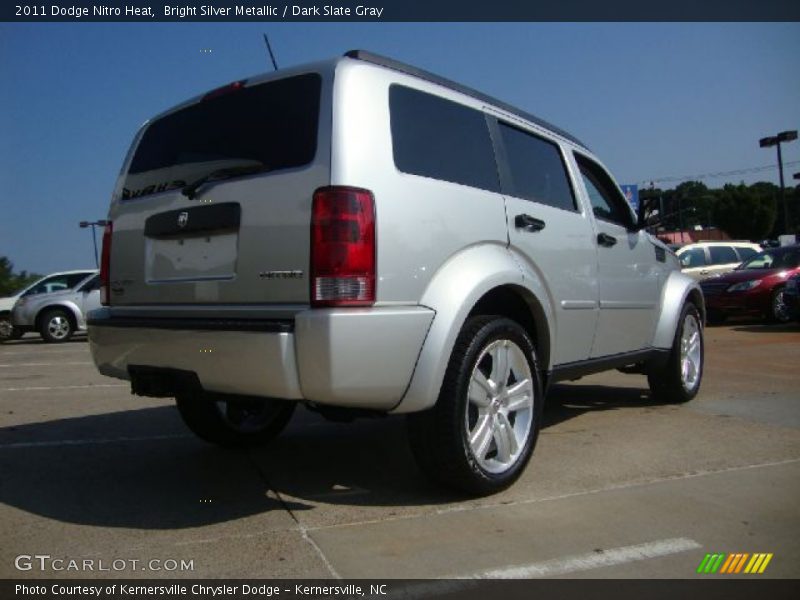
745,212
696,204
11,282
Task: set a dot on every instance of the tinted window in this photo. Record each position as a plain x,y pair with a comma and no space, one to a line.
271,125
694,257
722,255
437,138
57,283
536,170
745,253
607,201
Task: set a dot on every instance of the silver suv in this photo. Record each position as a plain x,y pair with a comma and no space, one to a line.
56,306
368,238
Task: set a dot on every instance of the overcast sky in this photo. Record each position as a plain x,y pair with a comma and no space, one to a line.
652,100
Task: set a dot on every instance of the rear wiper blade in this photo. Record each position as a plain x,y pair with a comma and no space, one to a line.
190,190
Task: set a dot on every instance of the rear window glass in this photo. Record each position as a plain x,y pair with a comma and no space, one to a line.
722,255
441,139
271,126
536,169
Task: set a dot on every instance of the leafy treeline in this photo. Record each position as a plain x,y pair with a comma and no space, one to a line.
751,212
11,282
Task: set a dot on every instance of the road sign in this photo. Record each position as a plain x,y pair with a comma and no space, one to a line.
631,195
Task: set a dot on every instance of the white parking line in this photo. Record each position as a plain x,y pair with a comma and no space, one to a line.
50,444
58,364
64,387
591,560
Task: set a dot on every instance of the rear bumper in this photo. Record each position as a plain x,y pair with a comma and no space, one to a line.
362,358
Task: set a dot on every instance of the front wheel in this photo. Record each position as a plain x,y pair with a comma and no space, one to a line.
8,331
230,420
779,310
56,326
678,379
482,431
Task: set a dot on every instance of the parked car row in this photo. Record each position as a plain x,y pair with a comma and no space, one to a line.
756,287
55,306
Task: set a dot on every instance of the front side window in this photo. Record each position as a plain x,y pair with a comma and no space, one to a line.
607,201
694,257
57,283
440,139
265,127
536,170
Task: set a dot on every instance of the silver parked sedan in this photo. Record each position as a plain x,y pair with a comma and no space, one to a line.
58,311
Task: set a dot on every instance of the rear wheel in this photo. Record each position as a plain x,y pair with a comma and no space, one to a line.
678,380
56,326
779,310
482,431
231,420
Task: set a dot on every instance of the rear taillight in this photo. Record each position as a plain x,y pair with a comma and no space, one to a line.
343,247
105,266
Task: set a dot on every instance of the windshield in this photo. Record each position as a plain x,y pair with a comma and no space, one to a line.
775,258
270,126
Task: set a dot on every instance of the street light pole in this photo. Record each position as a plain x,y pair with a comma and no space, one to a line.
93,224
783,136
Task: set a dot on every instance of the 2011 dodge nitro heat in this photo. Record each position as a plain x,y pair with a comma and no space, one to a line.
368,238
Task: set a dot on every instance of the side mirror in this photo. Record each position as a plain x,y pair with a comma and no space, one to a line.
649,214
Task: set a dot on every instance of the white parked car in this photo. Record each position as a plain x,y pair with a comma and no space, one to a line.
702,260
51,283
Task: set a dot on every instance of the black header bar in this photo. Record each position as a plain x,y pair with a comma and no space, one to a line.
400,10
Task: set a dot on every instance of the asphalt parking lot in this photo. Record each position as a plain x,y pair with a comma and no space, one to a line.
619,486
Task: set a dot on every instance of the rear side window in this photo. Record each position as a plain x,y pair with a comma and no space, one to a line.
722,255
270,126
745,252
536,170
441,139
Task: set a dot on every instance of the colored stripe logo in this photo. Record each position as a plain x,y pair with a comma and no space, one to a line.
735,563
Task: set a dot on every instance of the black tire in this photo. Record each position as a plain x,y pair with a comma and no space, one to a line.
8,331
667,382
56,326
778,310
230,420
439,436
715,317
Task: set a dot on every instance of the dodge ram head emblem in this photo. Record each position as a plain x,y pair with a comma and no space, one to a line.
183,219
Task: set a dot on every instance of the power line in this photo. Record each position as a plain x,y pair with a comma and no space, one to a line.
673,178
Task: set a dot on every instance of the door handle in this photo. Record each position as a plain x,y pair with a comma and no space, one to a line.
528,223
606,240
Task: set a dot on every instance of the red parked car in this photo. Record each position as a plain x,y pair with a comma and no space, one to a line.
756,287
